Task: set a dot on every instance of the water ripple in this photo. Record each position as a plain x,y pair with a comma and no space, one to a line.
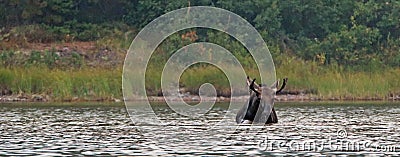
70,130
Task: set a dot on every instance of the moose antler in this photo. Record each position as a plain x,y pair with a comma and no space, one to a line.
283,85
251,85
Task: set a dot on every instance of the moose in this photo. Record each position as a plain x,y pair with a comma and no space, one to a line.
259,108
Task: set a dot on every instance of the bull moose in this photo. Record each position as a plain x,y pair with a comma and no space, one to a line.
259,108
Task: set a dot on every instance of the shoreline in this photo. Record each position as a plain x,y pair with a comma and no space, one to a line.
187,98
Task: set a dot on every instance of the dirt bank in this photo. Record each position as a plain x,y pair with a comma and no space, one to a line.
188,98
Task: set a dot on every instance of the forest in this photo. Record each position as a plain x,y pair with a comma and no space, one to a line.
331,49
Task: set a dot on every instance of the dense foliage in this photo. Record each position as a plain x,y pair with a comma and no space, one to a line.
350,33
332,48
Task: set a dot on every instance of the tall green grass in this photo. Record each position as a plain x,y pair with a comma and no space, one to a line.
98,83
195,76
336,82
88,84
308,77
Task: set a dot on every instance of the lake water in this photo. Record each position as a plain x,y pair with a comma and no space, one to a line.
319,128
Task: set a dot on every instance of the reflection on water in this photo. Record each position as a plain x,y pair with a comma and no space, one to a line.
303,129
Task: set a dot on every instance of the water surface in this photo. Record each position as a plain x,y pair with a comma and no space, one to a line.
327,128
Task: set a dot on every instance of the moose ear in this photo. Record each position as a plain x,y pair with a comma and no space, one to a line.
274,86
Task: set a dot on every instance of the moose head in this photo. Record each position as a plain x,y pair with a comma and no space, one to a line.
259,108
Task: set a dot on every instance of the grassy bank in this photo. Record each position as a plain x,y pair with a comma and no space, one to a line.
62,85
105,84
339,83
305,77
